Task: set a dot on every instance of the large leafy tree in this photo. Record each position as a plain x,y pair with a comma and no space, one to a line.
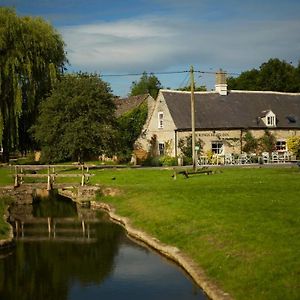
130,127
274,75
77,120
148,84
31,58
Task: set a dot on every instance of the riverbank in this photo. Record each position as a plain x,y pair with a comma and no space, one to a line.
173,253
6,230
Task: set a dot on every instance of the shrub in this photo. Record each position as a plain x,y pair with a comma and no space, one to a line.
152,162
168,161
187,161
293,144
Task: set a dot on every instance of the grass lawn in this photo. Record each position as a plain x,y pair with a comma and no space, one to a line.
6,177
242,226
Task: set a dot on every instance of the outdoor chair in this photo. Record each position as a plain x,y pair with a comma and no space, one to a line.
243,159
286,156
265,157
229,159
275,158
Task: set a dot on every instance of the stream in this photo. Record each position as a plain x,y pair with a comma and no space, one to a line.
64,251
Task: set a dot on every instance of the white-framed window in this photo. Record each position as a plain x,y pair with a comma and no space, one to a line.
160,120
281,146
161,149
270,119
217,147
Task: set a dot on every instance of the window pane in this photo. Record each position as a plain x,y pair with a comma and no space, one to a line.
217,147
161,148
160,120
281,145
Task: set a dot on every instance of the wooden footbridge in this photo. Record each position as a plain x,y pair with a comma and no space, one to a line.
53,172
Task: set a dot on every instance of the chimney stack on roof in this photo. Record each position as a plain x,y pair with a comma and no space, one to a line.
221,85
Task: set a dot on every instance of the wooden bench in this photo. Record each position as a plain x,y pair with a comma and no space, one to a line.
201,171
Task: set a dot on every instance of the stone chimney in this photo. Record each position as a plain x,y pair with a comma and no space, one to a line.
221,85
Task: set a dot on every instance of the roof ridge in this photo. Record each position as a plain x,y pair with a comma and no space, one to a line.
233,91
188,92
264,92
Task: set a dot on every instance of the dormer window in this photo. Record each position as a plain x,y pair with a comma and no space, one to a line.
269,119
160,120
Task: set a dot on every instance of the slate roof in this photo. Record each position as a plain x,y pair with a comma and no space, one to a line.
124,105
239,109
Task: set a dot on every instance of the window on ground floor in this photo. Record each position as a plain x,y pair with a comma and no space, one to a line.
217,147
281,146
161,149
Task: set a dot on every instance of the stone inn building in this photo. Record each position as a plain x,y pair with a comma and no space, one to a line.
222,118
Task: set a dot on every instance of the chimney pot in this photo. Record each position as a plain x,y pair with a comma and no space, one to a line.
221,85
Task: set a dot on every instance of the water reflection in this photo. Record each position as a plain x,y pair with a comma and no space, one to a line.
94,262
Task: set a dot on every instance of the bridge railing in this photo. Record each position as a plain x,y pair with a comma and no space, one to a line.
51,175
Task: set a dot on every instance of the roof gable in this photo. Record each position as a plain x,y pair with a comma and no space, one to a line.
124,105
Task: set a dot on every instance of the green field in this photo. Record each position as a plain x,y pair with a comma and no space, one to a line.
241,225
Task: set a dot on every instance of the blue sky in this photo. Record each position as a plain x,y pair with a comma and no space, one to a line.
118,36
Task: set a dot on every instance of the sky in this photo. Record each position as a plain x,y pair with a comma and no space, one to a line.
133,36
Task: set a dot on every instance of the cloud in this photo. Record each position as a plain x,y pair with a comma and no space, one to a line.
156,43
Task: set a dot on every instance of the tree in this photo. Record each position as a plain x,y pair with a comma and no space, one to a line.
201,88
77,121
185,146
274,75
31,58
251,143
267,143
148,84
130,127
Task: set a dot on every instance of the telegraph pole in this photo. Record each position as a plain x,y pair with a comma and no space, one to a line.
193,118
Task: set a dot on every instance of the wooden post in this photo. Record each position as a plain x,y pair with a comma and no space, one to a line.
21,179
193,118
16,180
54,227
49,226
82,176
17,227
49,180
22,229
49,183
83,227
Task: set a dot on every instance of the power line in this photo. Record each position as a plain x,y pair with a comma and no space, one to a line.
185,81
139,74
168,73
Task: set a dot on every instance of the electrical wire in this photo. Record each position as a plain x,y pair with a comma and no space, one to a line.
139,74
168,73
185,81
